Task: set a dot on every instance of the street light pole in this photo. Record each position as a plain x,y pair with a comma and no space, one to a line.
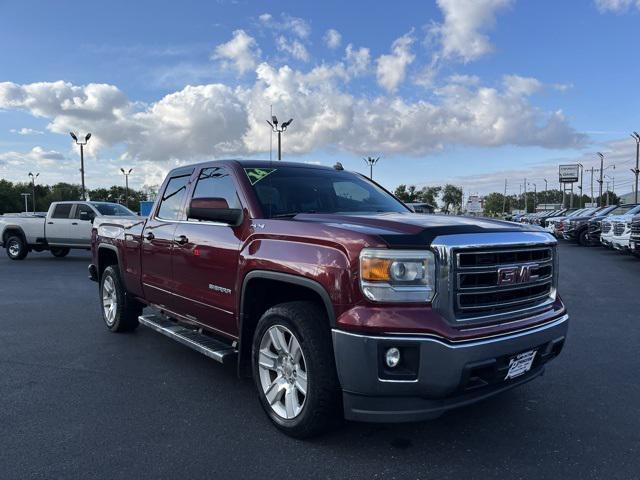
126,185
371,162
33,189
601,174
26,204
580,201
636,171
82,144
283,128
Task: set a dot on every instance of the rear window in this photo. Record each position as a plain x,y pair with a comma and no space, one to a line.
62,210
173,198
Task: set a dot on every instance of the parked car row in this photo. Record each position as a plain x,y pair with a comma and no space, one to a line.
613,226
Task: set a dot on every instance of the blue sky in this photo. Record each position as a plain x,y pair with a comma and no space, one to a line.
466,91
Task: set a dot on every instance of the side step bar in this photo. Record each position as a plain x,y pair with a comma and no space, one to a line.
204,344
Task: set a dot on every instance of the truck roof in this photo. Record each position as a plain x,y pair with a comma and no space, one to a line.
250,164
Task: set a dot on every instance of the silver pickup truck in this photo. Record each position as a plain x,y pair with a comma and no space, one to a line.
67,225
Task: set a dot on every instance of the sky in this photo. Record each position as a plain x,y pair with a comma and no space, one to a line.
470,92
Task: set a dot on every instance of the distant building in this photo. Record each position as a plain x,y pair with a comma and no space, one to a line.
421,207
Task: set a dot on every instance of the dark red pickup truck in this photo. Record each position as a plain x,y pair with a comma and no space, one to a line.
331,293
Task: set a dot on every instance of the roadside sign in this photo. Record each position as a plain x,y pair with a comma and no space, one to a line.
474,204
590,205
569,173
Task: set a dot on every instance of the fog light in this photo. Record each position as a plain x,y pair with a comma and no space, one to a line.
392,357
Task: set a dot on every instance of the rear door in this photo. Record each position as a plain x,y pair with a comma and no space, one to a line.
205,257
59,230
157,243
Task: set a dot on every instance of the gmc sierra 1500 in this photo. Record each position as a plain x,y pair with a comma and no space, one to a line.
332,293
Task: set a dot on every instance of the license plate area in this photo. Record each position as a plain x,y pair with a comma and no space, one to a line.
520,364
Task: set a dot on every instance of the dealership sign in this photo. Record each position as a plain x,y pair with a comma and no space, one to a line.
569,173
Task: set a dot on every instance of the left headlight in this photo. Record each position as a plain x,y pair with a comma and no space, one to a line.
397,275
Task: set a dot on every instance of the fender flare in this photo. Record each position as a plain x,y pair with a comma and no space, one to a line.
113,248
11,228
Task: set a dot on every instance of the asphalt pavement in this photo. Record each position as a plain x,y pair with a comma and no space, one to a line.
77,401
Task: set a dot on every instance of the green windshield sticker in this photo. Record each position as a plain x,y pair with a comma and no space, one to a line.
257,174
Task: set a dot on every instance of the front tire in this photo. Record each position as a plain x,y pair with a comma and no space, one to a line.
120,312
16,248
583,239
294,369
59,252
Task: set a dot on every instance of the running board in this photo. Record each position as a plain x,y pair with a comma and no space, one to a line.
204,344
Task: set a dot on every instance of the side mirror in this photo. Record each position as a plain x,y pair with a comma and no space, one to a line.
214,210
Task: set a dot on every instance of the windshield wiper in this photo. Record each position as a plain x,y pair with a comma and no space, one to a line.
291,214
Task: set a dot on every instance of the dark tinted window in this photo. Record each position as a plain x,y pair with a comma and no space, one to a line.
84,212
291,190
112,210
173,198
216,182
62,210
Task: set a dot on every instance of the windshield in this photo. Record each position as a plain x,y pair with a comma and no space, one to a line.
113,210
625,209
285,192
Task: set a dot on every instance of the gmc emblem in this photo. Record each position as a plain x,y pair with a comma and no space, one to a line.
517,275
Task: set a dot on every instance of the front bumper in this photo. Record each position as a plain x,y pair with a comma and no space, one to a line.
620,243
447,375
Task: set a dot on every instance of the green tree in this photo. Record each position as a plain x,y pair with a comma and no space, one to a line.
494,203
451,197
407,194
429,195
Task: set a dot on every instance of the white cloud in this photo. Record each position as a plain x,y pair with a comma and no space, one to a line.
357,60
36,157
617,6
215,120
391,69
241,52
286,23
293,47
465,21
332,39
26,131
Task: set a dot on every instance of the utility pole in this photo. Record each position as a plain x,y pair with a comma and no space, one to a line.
26,204
82,144
33,189
607,194
371,162
636,171
580,201
592,185
525,195
283,128
546,198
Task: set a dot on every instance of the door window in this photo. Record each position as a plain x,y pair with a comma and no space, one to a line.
84,212
62,210
173,198
216,182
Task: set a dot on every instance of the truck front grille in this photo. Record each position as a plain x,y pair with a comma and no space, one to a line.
618,228
606,227
493,281
594,226
635,230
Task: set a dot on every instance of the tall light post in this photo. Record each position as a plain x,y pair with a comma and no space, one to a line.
283,128
26,202
580,202
372,163
546,198
33,188
636,170
601,174
535,195
126,185
82,144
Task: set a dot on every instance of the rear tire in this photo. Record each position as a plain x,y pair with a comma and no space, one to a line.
16,248
60,252
583,239
294,369
120,312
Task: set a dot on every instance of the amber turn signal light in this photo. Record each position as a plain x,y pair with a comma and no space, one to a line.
376,269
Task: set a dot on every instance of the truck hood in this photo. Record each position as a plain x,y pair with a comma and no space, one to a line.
413,229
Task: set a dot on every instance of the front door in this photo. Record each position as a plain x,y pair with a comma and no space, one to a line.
82,225
157,244
205,257
58,229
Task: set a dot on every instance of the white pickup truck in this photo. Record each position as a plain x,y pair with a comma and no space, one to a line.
67,225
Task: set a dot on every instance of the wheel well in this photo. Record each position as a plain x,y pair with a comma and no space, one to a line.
260,294
12,231
106,257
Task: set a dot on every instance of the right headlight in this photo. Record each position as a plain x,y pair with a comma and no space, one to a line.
397,275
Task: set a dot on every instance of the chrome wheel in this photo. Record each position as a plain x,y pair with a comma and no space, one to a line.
14,248
283,372
109,300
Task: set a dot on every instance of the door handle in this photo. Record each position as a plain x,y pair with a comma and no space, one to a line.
74,223
182,240
49,223
150,236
